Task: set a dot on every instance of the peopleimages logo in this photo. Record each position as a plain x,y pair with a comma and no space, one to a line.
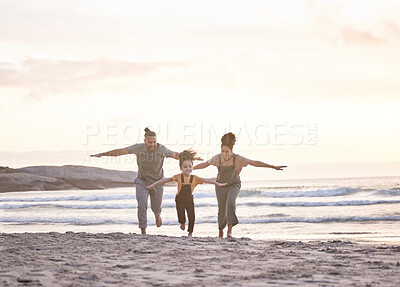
203,134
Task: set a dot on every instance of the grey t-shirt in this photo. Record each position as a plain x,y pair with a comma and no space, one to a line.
150,163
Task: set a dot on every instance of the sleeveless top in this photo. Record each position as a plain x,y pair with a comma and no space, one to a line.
228,173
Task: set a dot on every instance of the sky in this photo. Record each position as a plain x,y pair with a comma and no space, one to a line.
314,85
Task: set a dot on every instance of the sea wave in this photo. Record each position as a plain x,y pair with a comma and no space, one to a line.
267,219
335,192
332,203
341,191
388,192
171,204
87,206
93,197
322,219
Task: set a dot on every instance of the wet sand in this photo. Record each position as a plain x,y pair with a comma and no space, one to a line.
117,259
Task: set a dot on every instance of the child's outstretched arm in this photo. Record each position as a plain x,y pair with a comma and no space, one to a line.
161,181
209,180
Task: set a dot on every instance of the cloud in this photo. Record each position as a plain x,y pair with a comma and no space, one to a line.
53,77
353,24
353,36
392,28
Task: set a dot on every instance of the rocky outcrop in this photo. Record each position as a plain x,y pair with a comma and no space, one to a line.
62,177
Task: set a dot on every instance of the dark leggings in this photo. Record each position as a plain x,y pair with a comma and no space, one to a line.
188,205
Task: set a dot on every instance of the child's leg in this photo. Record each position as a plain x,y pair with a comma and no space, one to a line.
191,215
180,210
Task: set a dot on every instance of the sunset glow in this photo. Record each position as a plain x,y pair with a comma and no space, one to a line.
300,82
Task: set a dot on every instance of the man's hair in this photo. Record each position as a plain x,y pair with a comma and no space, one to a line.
187,154
149,133
228,140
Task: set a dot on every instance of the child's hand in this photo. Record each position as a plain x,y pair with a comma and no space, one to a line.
221,184
150,186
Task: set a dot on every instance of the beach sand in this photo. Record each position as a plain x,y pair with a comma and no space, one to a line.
117,259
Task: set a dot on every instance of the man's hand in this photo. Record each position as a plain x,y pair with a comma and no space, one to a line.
96,155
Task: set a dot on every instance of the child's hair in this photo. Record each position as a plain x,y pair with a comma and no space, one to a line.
228,140
187,154
149,133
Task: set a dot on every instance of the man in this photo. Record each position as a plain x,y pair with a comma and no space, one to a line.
150,159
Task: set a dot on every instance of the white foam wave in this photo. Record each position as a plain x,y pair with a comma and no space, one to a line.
269,219
172,204
322,219
71,198
89,198
302,193
388,192
333,203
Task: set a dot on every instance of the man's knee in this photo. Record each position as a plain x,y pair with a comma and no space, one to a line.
142,205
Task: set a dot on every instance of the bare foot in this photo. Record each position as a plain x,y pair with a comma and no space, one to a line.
158,221
190,234
143,231
183,226
221,233
229,232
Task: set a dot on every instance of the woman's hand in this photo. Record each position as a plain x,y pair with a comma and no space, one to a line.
198,158
279,167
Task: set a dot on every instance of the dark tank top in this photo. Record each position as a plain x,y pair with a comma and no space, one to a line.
228,173
185,194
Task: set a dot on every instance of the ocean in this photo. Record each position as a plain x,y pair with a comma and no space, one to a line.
355,209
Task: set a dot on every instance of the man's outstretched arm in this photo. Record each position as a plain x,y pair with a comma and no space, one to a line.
115,152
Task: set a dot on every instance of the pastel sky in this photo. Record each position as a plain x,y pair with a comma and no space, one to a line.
299,82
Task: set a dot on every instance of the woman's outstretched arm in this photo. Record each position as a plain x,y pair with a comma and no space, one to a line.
201,165
258,163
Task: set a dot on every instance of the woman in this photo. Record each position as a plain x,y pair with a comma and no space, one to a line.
229,167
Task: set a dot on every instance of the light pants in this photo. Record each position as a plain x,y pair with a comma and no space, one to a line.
142,196
226,197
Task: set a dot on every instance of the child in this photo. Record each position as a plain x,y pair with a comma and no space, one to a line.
186,184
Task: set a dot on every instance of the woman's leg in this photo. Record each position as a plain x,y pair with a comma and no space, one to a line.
221,193
232,194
